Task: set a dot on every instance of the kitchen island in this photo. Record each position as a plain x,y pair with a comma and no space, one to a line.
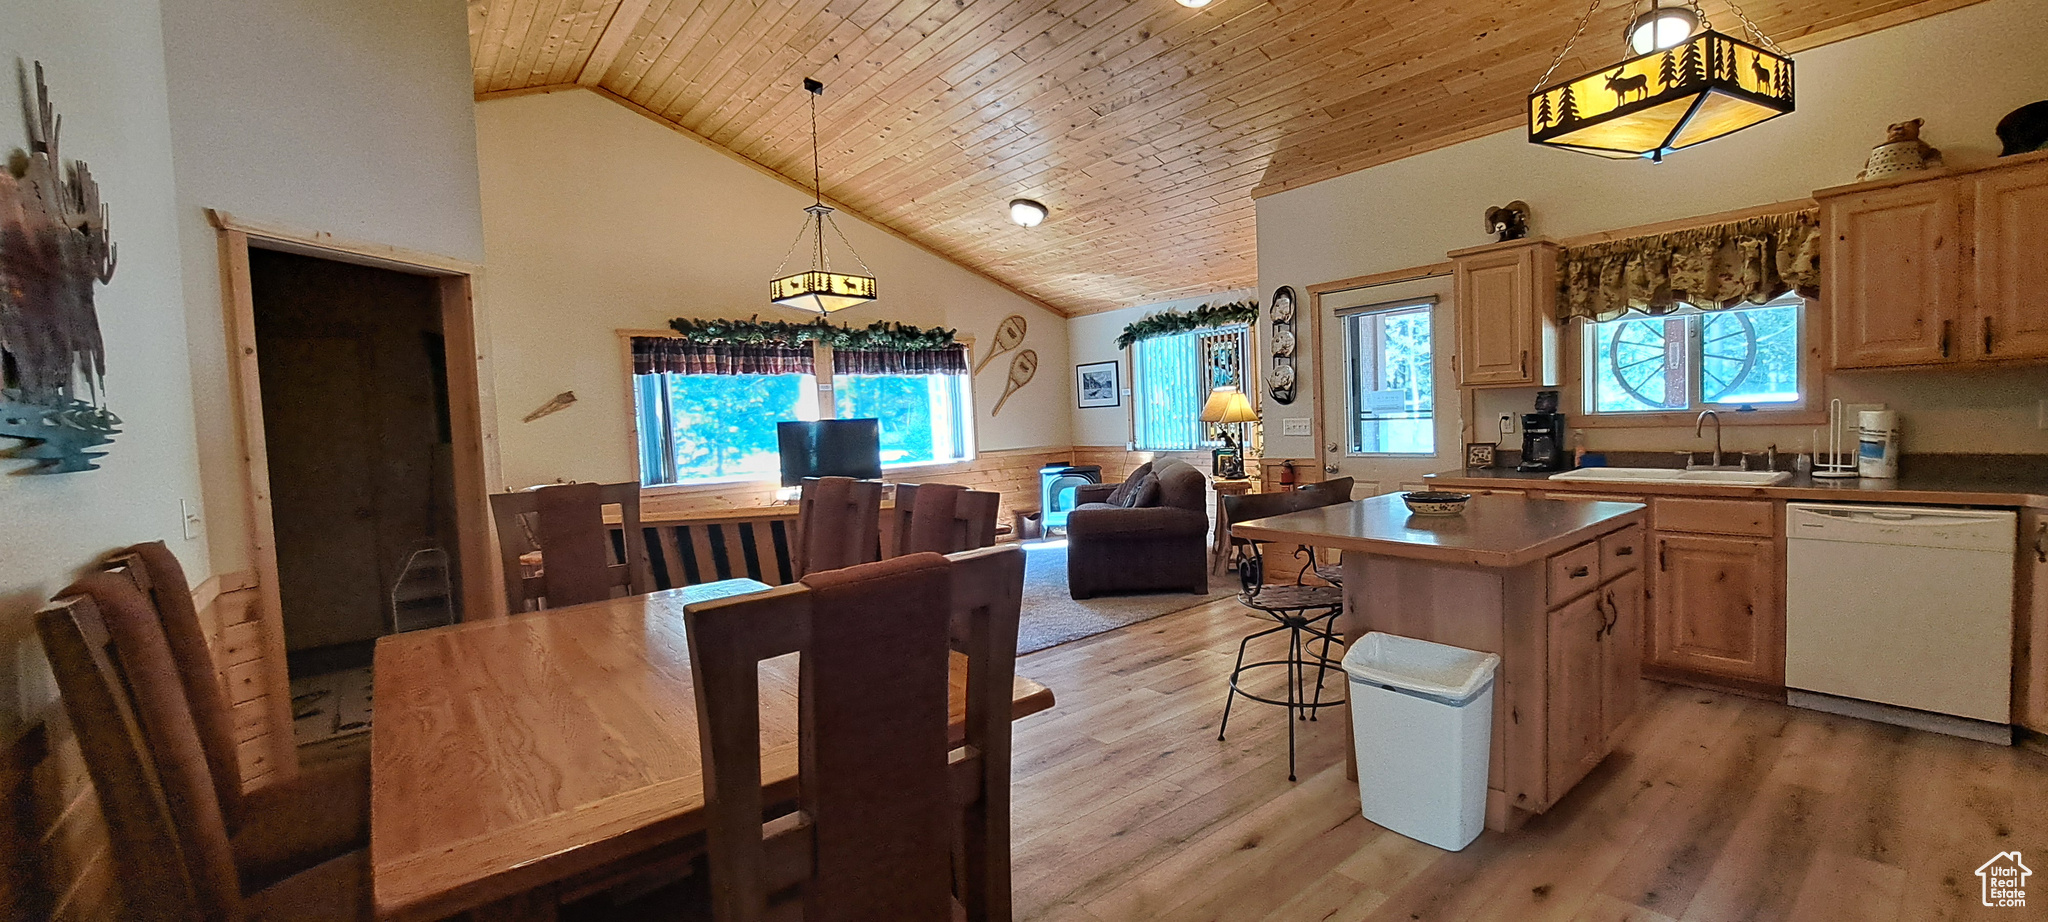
1555,587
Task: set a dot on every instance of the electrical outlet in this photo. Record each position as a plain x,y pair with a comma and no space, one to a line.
190,514
1299,426
1507,424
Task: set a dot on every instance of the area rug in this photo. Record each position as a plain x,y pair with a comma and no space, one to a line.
1052,617
331,705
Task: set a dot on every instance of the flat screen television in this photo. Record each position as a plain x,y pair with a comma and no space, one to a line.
830,448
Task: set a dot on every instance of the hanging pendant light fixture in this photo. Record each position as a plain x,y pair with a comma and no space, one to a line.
820,289
1681,90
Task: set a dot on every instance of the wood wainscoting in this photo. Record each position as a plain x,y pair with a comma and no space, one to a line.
55,858
1012,472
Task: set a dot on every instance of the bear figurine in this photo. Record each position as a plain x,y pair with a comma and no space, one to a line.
1901,152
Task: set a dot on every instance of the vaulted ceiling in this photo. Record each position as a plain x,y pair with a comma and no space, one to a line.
1147,127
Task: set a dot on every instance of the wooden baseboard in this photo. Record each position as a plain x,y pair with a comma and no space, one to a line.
1745,687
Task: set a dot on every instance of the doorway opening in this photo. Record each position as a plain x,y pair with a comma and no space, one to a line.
359,450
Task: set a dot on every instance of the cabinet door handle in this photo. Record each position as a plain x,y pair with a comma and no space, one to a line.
1613,615
2041,543
1987,336
1525,361
1944,338
1578,572
1626,550
1663,562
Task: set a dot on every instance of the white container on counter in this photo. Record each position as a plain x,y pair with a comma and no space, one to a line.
1877,444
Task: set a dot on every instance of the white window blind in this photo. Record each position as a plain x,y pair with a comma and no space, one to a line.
1171,377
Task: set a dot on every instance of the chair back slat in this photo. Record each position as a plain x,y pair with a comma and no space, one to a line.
121,690
943,518
988,595
838,523
874,801
158,574
565,522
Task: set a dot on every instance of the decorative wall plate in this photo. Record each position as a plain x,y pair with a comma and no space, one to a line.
1280,383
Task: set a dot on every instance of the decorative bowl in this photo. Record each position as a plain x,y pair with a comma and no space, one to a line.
1436,502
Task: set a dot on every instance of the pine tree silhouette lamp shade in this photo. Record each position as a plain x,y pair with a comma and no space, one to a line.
1708,87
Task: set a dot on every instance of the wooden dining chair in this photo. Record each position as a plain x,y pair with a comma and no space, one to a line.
885,797
838,524
321,811
173,853
579,563
942,518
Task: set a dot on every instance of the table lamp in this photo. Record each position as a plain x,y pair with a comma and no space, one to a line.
1228,407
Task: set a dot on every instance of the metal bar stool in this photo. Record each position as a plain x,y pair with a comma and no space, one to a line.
1306,613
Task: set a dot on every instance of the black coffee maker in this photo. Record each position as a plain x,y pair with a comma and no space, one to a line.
1543,436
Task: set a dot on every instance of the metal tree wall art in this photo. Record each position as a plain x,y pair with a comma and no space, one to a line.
54,247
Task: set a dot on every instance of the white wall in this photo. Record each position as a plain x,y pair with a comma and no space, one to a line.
105,66
353,119
1094,340
1961,71
599,219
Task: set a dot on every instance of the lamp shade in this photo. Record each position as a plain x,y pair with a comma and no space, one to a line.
1228,405
822,292
1710,86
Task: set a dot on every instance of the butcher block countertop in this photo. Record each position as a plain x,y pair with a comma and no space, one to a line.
1495,531
1991,484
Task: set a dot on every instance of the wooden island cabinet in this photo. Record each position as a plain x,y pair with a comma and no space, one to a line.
1554,588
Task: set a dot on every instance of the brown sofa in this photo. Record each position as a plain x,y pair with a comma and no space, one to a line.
1159,545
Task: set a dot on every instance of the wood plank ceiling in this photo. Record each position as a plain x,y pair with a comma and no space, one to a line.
1147,127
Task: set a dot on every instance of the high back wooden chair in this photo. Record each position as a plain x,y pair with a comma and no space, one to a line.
942,518
838,524
173,852
882,789
566,524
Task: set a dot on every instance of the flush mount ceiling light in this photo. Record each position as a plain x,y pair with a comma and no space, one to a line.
1661,28
1026,212
1193,4
1703,85
820,290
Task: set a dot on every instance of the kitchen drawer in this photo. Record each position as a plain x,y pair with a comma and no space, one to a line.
1621,552
1598,497
1573,572
246,681
1714,516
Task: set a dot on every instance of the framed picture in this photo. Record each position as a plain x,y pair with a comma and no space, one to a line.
1479,454
1098,384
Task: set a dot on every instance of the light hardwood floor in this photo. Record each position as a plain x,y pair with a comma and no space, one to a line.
1714,808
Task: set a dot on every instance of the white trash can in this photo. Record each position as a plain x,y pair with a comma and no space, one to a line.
1422,714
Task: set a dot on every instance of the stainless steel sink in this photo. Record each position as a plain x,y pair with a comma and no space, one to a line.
1671,475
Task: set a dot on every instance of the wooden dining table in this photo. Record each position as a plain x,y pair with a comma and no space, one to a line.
513,758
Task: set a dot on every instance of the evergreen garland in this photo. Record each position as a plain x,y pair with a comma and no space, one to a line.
1166,322
756,332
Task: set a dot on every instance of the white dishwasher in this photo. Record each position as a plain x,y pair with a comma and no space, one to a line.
1907,606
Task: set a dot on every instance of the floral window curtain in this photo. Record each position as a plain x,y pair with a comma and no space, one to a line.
951,360
1711,268
670,355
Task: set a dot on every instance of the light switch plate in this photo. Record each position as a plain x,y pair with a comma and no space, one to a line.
1299,426
190,515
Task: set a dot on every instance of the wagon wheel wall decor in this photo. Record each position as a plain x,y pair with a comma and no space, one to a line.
1641,350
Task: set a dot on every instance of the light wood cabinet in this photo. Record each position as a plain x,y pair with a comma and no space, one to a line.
2030,666
1942,270
1506,308
2009,281
1594,655
1715,608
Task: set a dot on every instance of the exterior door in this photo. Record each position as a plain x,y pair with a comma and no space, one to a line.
1389,400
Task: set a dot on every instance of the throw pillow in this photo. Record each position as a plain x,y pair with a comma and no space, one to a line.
1147,495
1126,492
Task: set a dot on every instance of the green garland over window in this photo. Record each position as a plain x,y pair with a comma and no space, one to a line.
755,332
1167,322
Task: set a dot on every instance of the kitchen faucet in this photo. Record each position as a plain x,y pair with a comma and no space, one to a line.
1700,424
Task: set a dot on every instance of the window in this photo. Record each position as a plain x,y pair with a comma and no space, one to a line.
1741,357
1391,356
1171,377
711,427
924,417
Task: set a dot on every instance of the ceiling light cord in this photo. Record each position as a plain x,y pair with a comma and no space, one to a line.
1567,49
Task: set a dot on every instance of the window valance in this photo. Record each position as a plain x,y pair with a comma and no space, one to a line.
672,355
1711,268
950,360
